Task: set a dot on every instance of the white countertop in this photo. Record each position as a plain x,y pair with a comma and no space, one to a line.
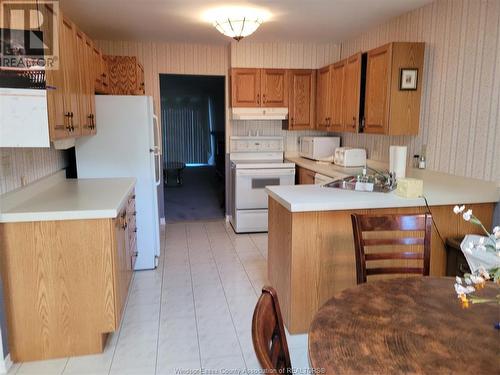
439,189
58,198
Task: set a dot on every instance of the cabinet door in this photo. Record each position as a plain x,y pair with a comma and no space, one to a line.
141,89
245,87
274,87
352,89
83,83
305,176
58,122
301,99
337,79
378,73
120,265
68,49
323,99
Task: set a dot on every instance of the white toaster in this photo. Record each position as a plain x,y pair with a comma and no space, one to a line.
350,157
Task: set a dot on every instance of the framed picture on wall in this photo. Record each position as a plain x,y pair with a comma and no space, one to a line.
408,79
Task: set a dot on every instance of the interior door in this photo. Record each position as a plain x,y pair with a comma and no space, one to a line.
274,87
378,73
245,87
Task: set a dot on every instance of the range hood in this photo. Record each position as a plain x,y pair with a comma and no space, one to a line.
242,113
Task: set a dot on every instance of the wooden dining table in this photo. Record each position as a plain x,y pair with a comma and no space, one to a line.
405,325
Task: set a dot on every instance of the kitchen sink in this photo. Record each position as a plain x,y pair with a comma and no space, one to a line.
363,183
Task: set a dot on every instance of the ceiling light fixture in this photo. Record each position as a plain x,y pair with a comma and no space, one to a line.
236,22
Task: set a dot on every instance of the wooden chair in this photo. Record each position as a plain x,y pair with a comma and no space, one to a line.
268,334
378,223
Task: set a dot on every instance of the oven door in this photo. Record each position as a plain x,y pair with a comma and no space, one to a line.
250,186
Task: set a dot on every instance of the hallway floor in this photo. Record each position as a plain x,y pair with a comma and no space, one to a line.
194,311
198,198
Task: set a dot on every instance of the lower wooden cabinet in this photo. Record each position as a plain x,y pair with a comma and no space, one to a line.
304,176
65,283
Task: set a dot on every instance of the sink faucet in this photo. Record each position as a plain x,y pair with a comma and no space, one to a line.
389,178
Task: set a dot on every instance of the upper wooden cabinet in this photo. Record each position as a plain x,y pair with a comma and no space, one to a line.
323,117
255,87
100,72
337,98
301,99
388,109
274,87
352,93
126,75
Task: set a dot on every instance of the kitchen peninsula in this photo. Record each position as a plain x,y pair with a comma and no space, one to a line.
311,247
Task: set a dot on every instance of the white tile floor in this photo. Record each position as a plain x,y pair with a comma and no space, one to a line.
194,311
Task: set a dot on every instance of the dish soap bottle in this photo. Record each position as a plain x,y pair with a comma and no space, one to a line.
421,160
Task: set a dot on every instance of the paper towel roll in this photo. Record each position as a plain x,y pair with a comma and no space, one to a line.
397,160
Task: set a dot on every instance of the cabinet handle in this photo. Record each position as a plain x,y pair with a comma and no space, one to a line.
136,254
125,225
67,115
264,98
135,230
258,98
293,120
134,213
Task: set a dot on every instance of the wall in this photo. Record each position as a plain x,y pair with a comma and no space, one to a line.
171,58
459,119
247,54
31,163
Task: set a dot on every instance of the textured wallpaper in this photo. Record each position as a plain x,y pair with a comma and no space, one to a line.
459,118
31,164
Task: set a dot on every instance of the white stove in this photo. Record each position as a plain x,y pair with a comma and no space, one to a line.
256,162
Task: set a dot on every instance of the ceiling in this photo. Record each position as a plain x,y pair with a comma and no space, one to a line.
182,20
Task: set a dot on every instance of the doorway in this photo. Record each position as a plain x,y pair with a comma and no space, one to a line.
193,120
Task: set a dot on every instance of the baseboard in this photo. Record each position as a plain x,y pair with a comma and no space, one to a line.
6,364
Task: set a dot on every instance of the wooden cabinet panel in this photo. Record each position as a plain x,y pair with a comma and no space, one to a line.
68,48
323,99
404,107
124,75
274,87
389,110
351,93
337,97
305,176
301,99
245,87
378,73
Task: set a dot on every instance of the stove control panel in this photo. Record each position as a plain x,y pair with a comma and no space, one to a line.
256,144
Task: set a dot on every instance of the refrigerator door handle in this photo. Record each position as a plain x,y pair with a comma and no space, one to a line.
157,151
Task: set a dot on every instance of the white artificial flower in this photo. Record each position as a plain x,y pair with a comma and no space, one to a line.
458,280
476,279
458,209
497,234
496,229
460,289
468,281
497,245
467,215
481,240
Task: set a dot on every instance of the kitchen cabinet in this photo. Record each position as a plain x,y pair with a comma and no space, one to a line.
66,282
304,176
388,109
126,75
337,98
100,72
301,99
351,93
255,87
87,88
274,87
323,117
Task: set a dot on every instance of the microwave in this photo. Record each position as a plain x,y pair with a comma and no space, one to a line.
319,148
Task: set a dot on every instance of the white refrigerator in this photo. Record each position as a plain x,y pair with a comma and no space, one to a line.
128,144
